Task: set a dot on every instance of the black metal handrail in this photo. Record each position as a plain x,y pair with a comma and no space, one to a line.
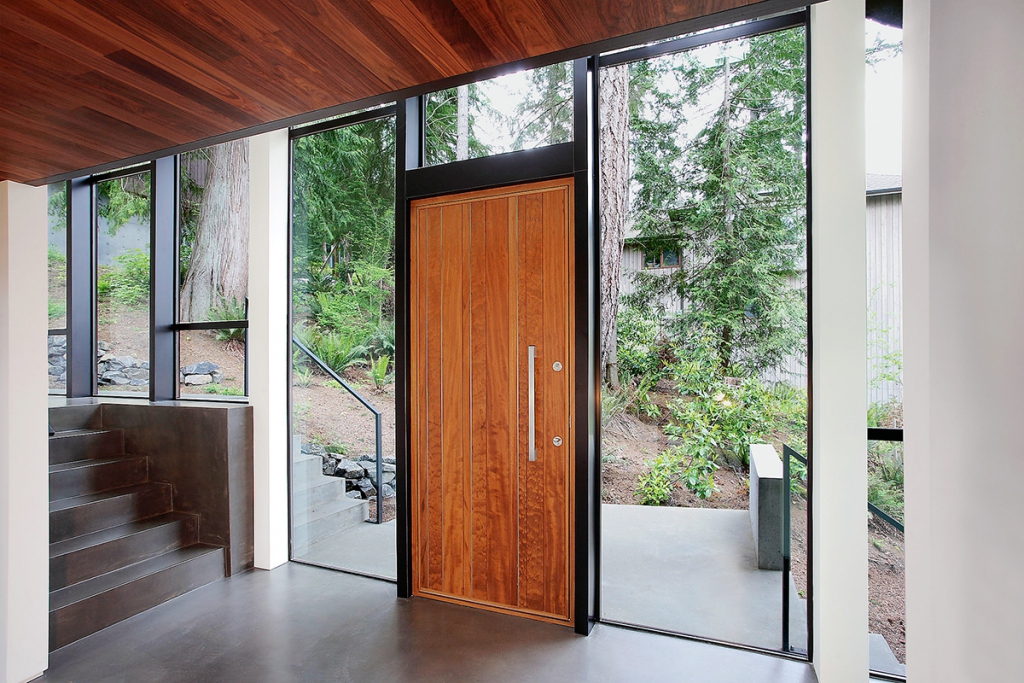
369,406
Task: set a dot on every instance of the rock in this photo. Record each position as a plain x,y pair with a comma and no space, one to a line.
387,476
390,461
106,357
330,467
103,346
353,494
56,370
367,488
387,491
351,469
313,449
139,382
217,377
126,361
144,365
116,378
136,373
197,380
203,368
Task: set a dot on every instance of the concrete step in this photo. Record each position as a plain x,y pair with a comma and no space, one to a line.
317,492
86,514
94,475
306,468
310,526
85,557
84,444
88,606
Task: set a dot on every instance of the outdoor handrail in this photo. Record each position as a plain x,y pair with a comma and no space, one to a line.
369,406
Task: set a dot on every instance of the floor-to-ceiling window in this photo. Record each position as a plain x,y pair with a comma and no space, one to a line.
886,547
704,337
122,253
57,283
343,326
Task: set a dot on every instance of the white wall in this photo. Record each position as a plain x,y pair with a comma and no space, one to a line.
269,342
964,339
24,485
839,326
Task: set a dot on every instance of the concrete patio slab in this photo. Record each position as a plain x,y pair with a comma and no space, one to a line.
692,571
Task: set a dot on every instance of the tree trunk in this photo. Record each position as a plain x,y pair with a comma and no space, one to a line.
219,268
614,108
462,124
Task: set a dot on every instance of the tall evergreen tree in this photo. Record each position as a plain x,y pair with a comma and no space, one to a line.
739,206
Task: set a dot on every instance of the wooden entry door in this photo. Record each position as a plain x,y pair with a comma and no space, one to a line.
491,285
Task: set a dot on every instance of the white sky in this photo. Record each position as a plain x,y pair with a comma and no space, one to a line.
884,106
883,110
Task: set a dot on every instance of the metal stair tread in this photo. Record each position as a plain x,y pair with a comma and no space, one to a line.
90,588
90,462
79,432
328,509
76,501
95,538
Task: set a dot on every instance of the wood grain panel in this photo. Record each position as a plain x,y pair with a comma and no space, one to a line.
492,275
493,377
165,73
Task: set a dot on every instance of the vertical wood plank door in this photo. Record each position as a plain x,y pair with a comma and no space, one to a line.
491,277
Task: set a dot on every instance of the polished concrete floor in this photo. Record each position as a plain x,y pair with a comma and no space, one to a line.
692,571
300,623
366,548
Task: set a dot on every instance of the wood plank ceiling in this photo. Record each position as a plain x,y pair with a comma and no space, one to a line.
88,82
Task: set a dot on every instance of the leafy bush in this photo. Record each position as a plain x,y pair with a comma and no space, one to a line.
55,309
643,350
303,377
337,350
718,415
128,282
657,483
232,309
379,372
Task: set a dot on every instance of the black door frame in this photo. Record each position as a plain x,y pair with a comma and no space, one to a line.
415,180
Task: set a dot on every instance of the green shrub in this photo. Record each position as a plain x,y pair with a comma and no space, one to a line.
379,372
337,350
642,349
657,483
229,309
720,412
126,283
55,309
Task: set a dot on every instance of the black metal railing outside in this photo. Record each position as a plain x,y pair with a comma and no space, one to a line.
369,406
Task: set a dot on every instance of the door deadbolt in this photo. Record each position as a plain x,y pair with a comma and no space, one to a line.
557,441
556,366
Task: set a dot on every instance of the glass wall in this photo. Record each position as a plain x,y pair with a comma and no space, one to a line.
886,562
57,299
523,110
213,268
343,316
122,283
704,342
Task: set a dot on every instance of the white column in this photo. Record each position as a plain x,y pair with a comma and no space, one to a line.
839,310
964,344
269,345
24,485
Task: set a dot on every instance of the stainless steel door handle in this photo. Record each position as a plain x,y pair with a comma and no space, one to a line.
531,355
